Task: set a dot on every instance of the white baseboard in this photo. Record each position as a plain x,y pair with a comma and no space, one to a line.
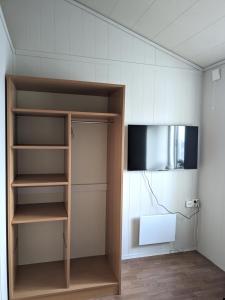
141,255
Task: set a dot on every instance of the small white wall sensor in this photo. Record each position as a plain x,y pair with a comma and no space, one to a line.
216,75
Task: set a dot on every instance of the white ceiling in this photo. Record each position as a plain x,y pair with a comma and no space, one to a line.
193,29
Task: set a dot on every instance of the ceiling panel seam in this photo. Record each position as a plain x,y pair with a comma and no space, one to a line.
195,34
144,13
177,18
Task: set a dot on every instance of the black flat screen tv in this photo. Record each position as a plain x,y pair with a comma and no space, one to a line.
162,147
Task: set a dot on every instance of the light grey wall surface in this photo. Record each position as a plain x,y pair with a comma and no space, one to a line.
211,237
6,65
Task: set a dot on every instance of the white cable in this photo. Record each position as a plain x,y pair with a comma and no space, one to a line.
163,206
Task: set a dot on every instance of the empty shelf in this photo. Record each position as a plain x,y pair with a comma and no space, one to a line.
91,272
39,279
43,212
40,147
40,180
48,278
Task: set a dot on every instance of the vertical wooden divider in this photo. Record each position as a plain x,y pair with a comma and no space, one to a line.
11,166
67,224
115,184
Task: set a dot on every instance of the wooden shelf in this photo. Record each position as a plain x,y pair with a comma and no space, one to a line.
58,113
26,83
40,147
39,112
40,180
91,272
43,212
48,278
39,279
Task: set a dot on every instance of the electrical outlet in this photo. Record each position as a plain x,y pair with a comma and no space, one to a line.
196,202
192,203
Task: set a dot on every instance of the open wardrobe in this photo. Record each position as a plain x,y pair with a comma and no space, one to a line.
65,164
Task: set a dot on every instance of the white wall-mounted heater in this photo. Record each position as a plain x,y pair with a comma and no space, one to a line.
157,229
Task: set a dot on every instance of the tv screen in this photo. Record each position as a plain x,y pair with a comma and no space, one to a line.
162,147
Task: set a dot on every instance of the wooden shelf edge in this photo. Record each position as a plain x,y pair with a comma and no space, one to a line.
39,147
53,219
37,213
39,112
39,180
39,184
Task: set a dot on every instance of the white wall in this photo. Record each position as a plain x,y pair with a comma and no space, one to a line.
56,38
6,58
212,171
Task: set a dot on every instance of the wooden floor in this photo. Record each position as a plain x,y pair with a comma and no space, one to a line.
171,277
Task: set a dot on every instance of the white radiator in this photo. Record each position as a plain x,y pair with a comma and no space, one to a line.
157,229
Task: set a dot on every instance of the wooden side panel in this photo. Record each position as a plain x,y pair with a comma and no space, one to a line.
12,230
115,178
116,104
67,224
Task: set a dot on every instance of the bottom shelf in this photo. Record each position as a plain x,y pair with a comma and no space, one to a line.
91,272
39,279
48,278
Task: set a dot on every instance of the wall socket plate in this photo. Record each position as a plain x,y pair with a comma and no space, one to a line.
192,203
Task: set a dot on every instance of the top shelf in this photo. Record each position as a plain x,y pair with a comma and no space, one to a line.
61,113
37,84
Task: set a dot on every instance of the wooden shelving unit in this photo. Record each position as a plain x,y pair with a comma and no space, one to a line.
79,278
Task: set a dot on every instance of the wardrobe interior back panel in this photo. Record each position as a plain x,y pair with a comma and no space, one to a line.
42,100
40,242
89,179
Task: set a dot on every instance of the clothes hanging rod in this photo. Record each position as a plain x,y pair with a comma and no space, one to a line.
84,184
90,122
